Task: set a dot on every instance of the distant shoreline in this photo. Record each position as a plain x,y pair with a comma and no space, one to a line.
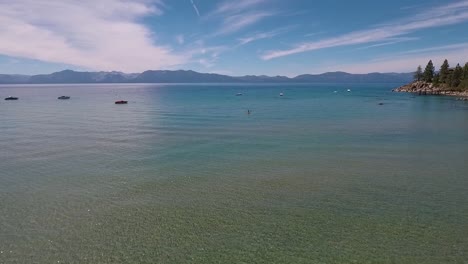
182,76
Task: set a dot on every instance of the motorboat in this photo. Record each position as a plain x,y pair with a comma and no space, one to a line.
121,102
281,94
63,97
349,90
11,98
238,94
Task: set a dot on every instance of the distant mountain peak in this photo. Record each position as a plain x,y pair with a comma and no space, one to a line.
190,76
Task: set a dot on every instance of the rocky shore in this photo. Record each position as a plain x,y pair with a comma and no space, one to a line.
425,88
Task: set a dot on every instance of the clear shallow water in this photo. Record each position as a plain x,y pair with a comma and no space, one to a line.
182,174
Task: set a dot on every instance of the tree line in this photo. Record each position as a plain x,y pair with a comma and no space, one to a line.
448,78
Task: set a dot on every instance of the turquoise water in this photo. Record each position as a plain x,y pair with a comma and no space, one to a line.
183,175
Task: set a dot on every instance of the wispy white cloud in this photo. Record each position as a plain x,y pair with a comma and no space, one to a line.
438,48
195,8
258,36
440,11
314,34
390,42
180,39
211,53
410,7
440,16
200,53
207,63
200,48
408,60
232,16
98,35
237,15
236,22
229,7
263,35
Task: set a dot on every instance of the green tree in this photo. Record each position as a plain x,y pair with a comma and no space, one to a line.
428,72
436,80
418,74
444,72
465,72
457,76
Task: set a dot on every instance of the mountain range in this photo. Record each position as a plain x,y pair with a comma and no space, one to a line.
183,76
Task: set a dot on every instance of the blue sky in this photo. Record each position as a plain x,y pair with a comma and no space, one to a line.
272,37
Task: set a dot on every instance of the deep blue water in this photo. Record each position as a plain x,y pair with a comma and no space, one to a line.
183,174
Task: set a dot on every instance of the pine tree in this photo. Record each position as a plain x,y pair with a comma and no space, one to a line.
464,83
465,72
418,73
436,80
457,76
428,72
444,72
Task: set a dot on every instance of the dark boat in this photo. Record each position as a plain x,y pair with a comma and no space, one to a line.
63,97
11,98
121,102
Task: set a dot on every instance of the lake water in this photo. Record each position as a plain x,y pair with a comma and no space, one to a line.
182,174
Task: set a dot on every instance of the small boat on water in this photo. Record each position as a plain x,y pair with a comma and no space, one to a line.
121,102
281,94
238,94
349,90
11,98
63,97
